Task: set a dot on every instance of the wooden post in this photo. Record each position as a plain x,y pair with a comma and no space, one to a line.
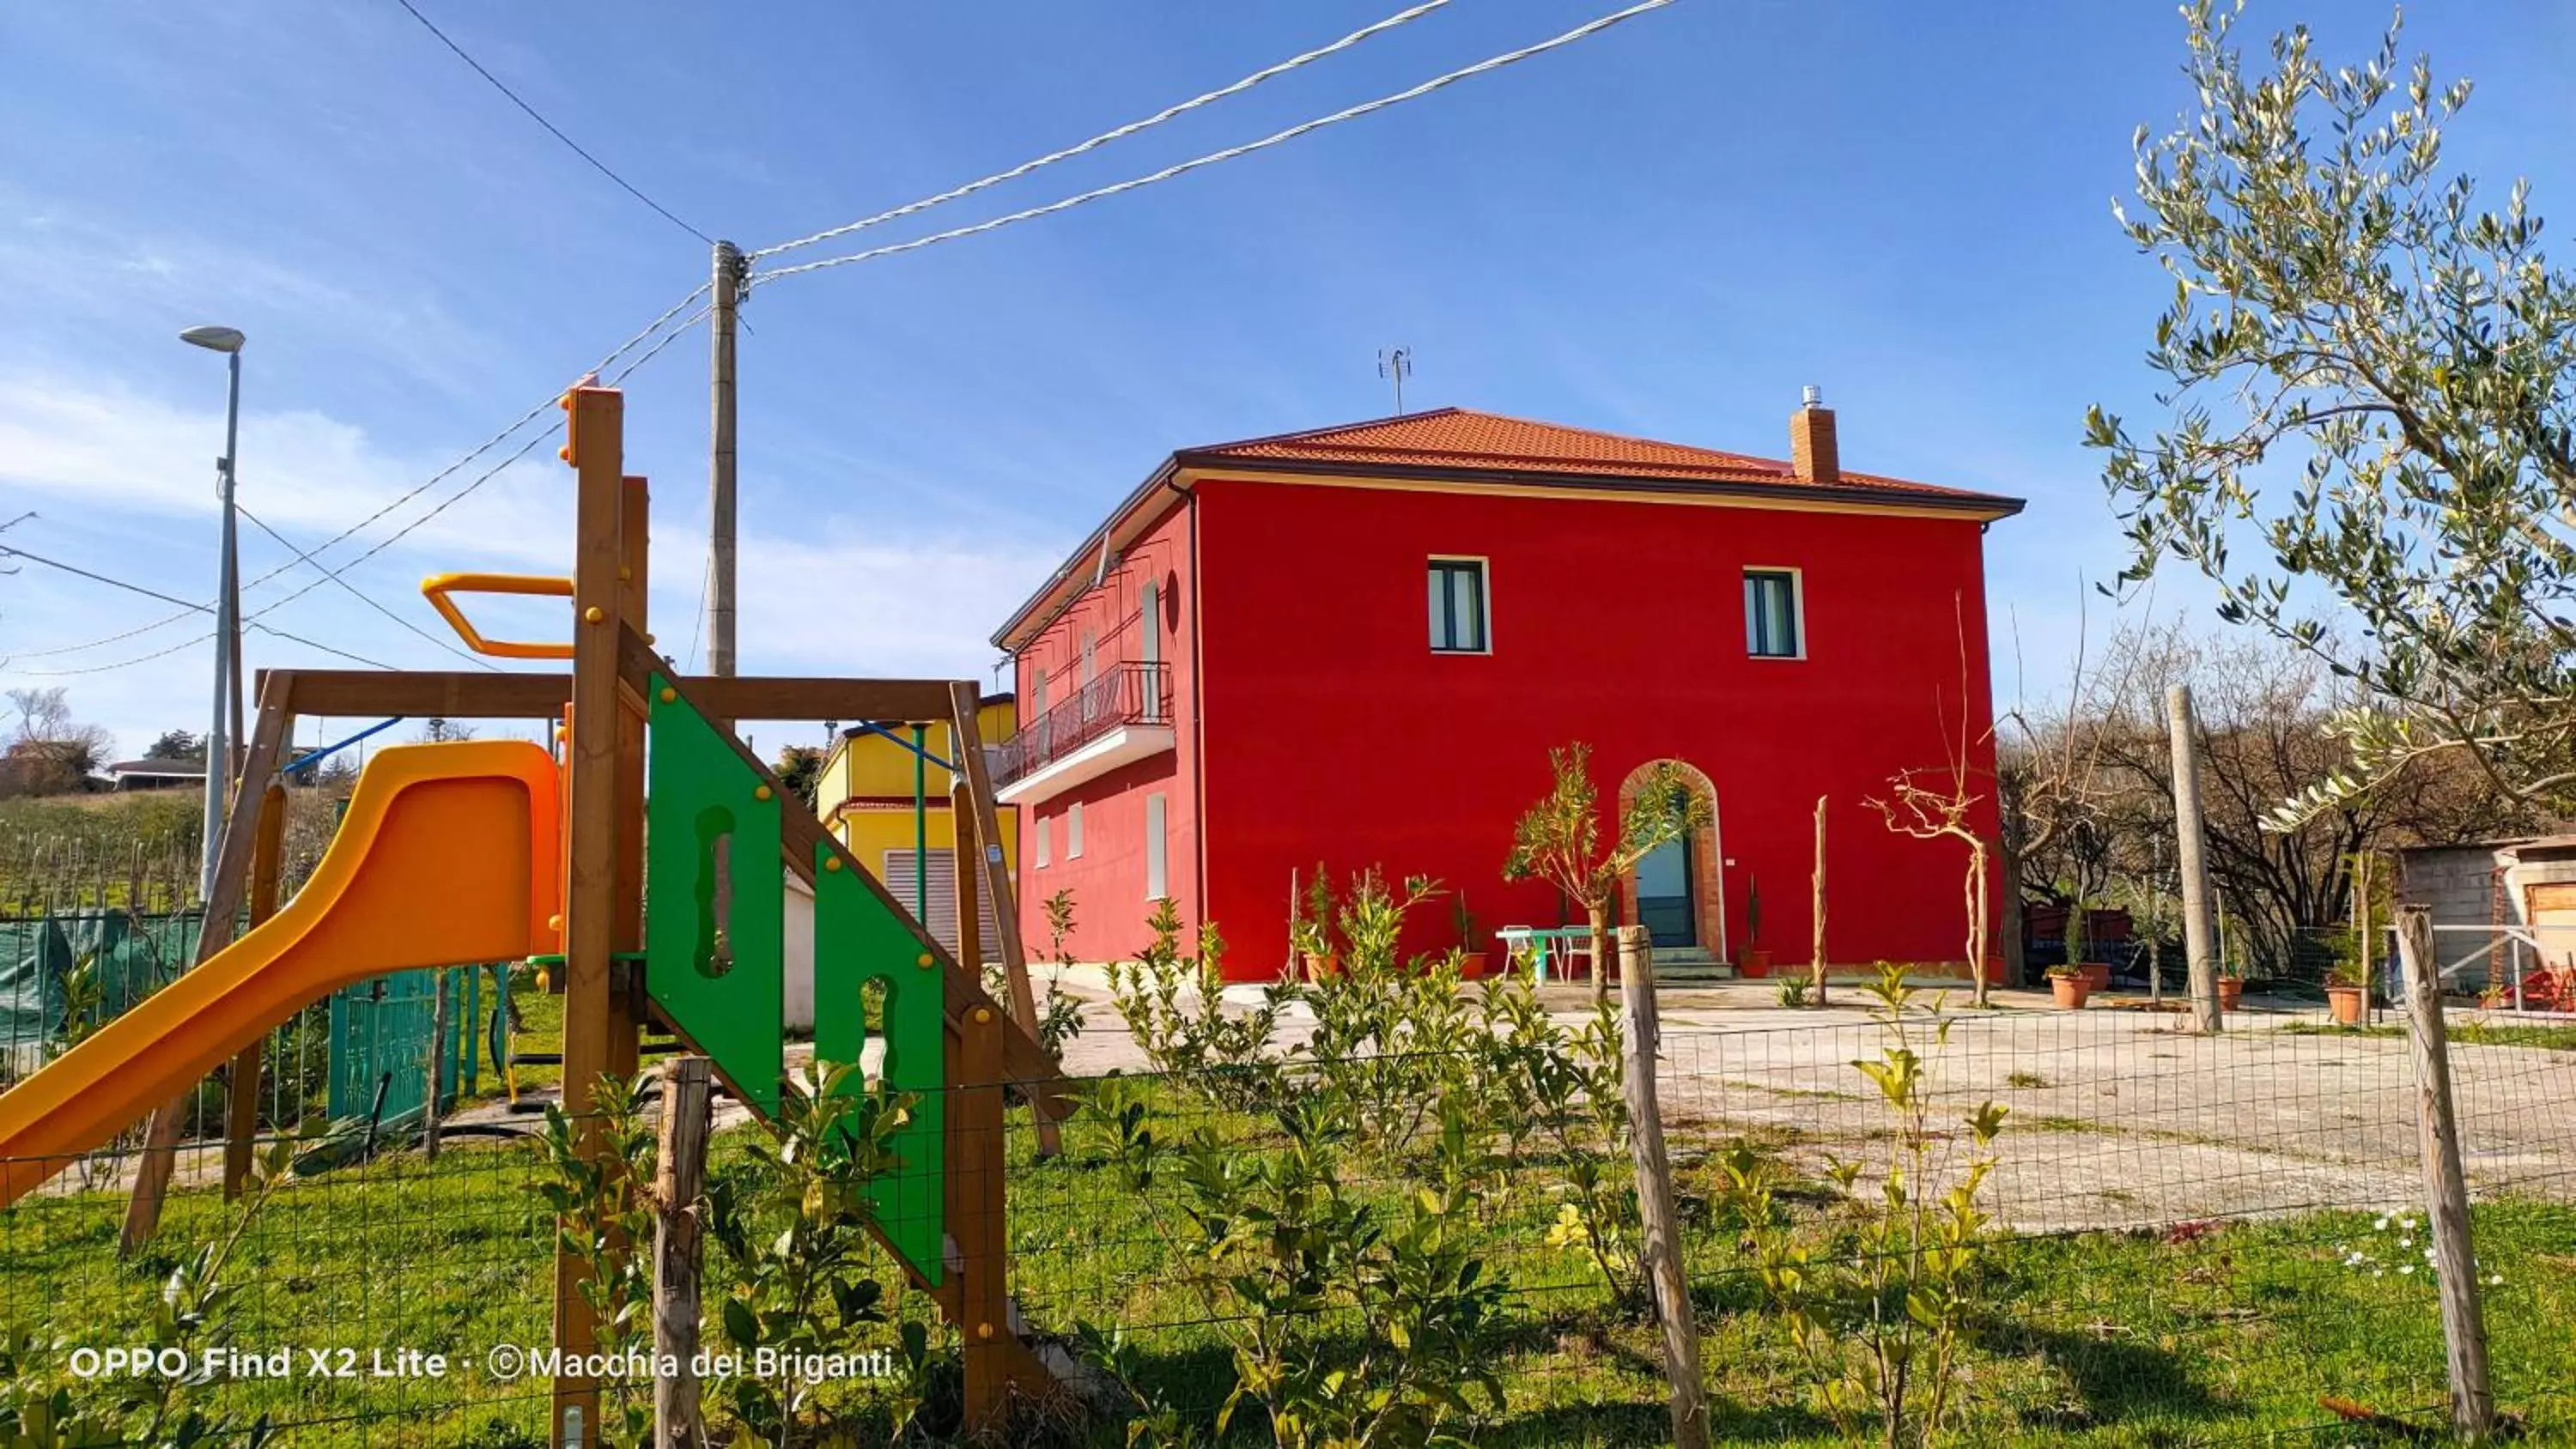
592,815
2446,1191
241,1102
679,1179
1819,967
1659,1242
437,1073
967,846
626,1007
159,1156
975,1223
966,744
2199,940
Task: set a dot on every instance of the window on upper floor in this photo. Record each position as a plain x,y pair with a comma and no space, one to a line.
1073,831
1046,828
1459,615
1772,626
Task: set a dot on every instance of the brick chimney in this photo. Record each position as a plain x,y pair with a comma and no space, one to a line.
1812,454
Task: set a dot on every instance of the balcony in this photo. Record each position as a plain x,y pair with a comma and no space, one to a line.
1122,716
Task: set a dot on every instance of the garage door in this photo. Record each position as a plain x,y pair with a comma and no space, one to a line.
898,878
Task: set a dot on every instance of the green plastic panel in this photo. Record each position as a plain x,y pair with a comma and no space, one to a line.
857,939
721,981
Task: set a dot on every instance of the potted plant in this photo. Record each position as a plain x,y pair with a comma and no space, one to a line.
2079,945
1756,958
2347,992
1471,949
2231,985
1310,931
2070,986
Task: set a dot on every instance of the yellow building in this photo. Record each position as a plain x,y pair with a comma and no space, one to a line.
865,794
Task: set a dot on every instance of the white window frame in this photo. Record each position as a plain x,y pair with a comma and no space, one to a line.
1158,882
1797,610
1484,600
1073,831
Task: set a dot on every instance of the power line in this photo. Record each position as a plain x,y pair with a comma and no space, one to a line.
477,451
1353,113
133,588
1104,138
551,129
389,540
359,594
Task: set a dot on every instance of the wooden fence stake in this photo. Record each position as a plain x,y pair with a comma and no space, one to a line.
2446,1191
1659,1243
679,1179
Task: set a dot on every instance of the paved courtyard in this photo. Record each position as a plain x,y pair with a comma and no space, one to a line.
2120,1118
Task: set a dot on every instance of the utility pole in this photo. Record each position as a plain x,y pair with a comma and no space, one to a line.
720,490
2198,938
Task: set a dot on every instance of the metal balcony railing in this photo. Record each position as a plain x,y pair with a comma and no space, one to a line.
1123,694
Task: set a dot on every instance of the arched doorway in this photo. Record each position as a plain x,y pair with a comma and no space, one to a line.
1678,893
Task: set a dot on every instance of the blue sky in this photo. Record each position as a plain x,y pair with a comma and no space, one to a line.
1664,230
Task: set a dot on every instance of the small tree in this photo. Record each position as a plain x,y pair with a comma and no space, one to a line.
800,769
1943,810
2375,378
176,745
1558,840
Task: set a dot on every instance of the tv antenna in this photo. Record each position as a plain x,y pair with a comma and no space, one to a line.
1396,363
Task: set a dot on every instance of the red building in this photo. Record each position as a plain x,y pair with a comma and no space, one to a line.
1236,678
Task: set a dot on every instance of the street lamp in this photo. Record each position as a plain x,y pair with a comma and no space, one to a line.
228,341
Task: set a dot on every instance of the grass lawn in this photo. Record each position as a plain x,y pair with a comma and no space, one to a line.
2547,1036
2227,1334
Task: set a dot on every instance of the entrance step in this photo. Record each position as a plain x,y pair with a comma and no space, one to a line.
1690,966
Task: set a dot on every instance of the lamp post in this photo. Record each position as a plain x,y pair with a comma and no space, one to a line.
228,341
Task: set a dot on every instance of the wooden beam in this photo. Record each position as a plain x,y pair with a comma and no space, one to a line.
241,1100
755,697
966,743
480,694
450,694
214,933
801,834
590,927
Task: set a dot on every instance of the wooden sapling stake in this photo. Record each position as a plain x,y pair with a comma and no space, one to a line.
1819,967
2446,1191
679,1180
437,1072
1659,1242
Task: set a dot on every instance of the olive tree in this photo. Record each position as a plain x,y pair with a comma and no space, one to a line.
1558,839
2369,375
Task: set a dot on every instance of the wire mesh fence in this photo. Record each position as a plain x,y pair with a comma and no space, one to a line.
2181,1240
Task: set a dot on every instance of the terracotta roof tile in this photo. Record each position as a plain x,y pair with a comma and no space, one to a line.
1464,439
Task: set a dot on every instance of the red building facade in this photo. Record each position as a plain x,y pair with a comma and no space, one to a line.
1355,647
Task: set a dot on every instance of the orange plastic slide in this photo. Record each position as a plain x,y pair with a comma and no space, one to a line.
450,854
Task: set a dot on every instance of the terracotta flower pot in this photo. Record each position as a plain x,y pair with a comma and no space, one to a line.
1756,961
2346,1003
2231,991
1319,968
2070,991
1471,965
2097,975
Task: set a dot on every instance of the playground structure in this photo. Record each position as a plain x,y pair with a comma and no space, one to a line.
468,852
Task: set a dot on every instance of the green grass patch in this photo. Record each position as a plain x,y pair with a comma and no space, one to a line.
2546,1036
2212,1334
